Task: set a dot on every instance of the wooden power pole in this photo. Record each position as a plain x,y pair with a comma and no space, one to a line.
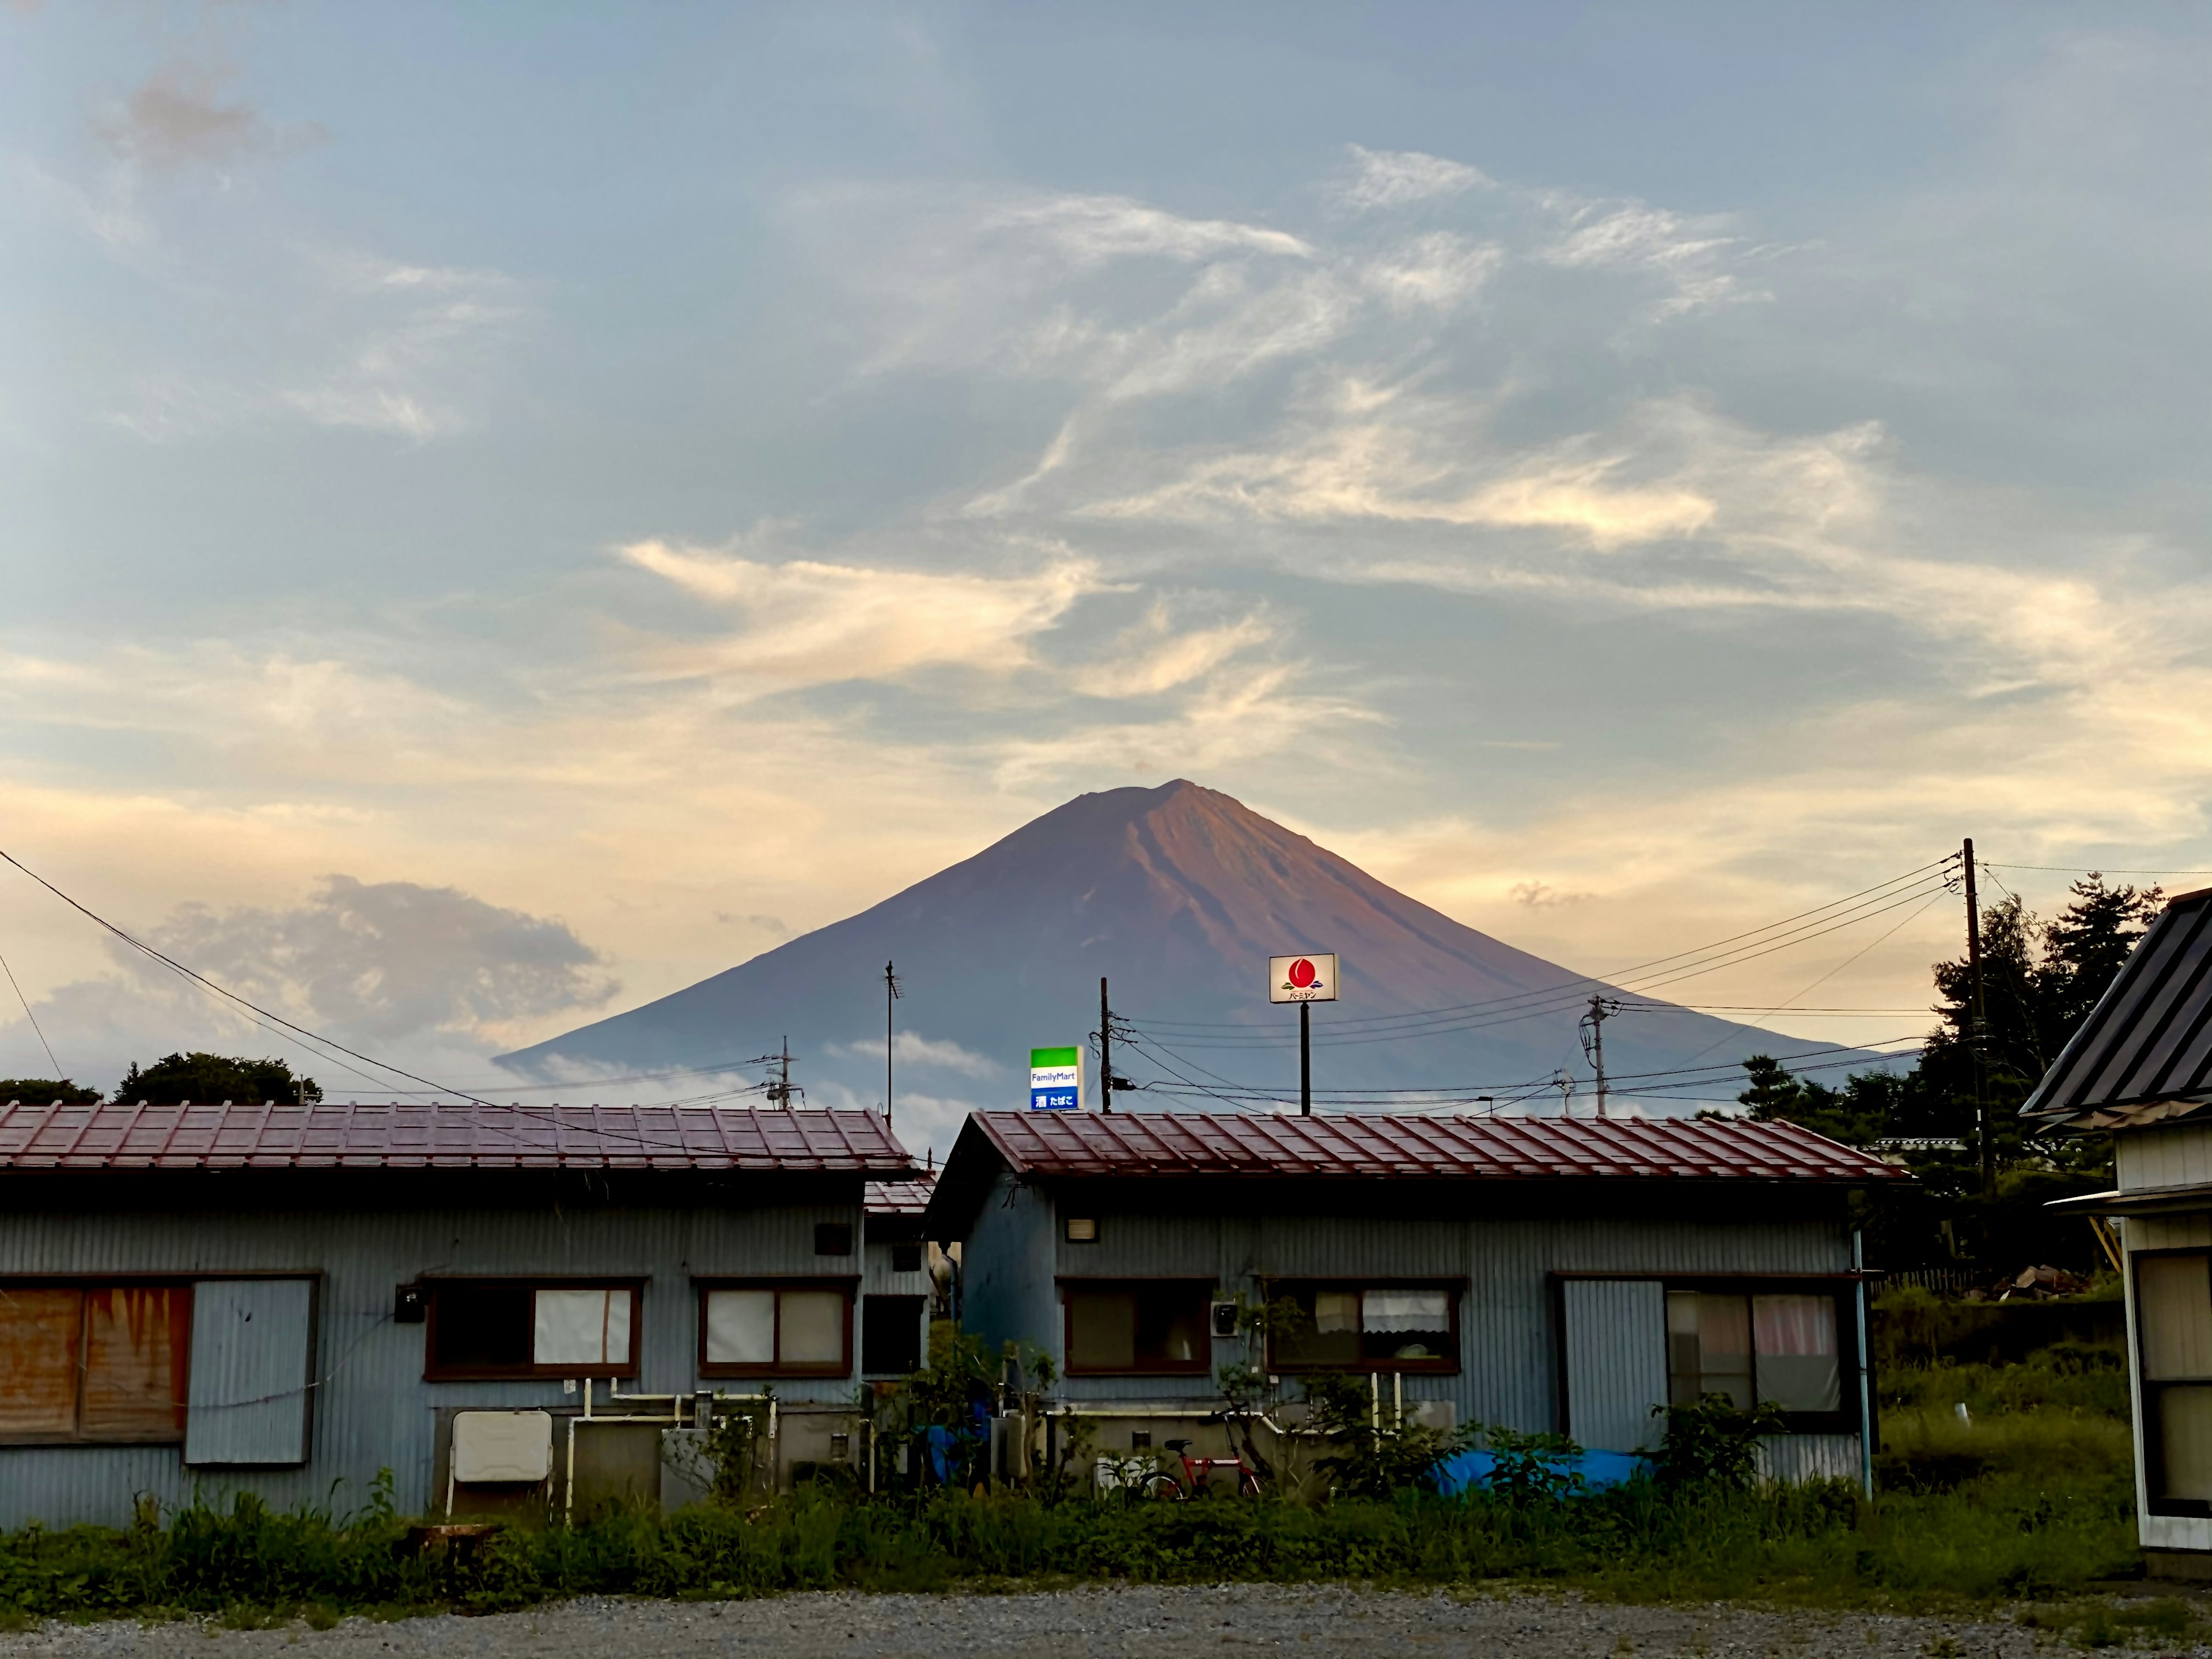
1979,1026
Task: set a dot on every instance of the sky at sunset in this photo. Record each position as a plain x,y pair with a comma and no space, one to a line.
506,510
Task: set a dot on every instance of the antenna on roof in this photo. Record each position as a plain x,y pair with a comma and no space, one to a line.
891,993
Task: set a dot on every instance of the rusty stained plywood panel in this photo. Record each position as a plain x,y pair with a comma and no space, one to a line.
40,1331
136,1346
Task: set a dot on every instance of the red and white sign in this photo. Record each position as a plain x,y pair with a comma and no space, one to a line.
1311,978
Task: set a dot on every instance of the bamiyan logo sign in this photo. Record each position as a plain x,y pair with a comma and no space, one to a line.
1303,979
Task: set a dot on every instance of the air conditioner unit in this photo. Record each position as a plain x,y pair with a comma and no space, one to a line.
1225,1319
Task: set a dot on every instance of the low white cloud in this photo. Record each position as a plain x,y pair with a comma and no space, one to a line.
810,623
912,1048
1152,656
385,960
1400,178
180,116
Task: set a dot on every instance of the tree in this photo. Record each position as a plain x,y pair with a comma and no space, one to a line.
2086,947
45,1092
209,1079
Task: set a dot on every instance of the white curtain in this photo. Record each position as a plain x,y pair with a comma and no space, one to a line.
581,1328
2173,1308
813,1327
1335,1311
741,1327
1404,1310
1796,1338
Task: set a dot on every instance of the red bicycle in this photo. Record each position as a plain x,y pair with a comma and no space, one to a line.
1161,1485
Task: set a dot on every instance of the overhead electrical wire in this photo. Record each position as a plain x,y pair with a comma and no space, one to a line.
34,1018
1683,965
307,1039
1874,895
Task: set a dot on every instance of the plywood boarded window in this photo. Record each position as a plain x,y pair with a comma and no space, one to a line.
94,1363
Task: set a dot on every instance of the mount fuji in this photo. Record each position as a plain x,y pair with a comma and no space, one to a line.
1177,894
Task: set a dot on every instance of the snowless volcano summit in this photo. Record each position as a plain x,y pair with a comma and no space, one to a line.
1178,895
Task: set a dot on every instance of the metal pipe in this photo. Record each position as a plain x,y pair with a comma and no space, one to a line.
1866,1366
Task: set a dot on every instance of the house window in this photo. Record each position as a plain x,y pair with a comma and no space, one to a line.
1141,1327
103,1365
1755,1348
906,1258
1364,1327
485,1328
890,1335
2173,1326
1082,1229
833,1238
800,1328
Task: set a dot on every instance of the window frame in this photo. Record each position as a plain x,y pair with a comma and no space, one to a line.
846,1284
84,1284
1455,1292
625,1371
1202,1291
1842,1287
2151,1416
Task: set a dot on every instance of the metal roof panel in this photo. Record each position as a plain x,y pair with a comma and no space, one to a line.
364,1135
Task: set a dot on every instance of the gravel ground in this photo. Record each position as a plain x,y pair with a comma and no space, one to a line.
1069,1625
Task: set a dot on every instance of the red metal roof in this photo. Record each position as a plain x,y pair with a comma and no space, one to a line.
901,1198
1220,1143
438,1137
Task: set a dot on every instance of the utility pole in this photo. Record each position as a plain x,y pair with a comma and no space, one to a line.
1305,1060
1980,1026
891,995
778,1092
1601,1009
1566,1080
1105,1049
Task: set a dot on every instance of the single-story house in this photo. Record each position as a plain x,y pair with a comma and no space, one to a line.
2140,1068
503,1305
1542,1273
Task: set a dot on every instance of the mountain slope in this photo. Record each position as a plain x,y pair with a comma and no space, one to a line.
1179,894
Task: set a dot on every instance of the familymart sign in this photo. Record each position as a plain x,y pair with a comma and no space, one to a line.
1055,1080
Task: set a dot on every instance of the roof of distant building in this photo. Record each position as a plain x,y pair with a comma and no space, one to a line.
2146,1049
901,1198
1238,1146
335,1136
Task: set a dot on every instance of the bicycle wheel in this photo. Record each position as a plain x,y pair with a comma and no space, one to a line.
1166,1487
1249,1485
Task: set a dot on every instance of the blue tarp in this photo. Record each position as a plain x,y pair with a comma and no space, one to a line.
1468,1470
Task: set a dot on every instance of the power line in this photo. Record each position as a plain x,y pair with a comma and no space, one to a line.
1501,1010
535,1114
34,1018
200,979
2088,869
1876,894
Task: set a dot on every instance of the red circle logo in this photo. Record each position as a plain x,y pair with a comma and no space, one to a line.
1302,974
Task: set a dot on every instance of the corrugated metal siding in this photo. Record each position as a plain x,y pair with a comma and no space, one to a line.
251,1358
1794,1457
1507,1334
2171,1155
1616,1341
372,1409
1007,1293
